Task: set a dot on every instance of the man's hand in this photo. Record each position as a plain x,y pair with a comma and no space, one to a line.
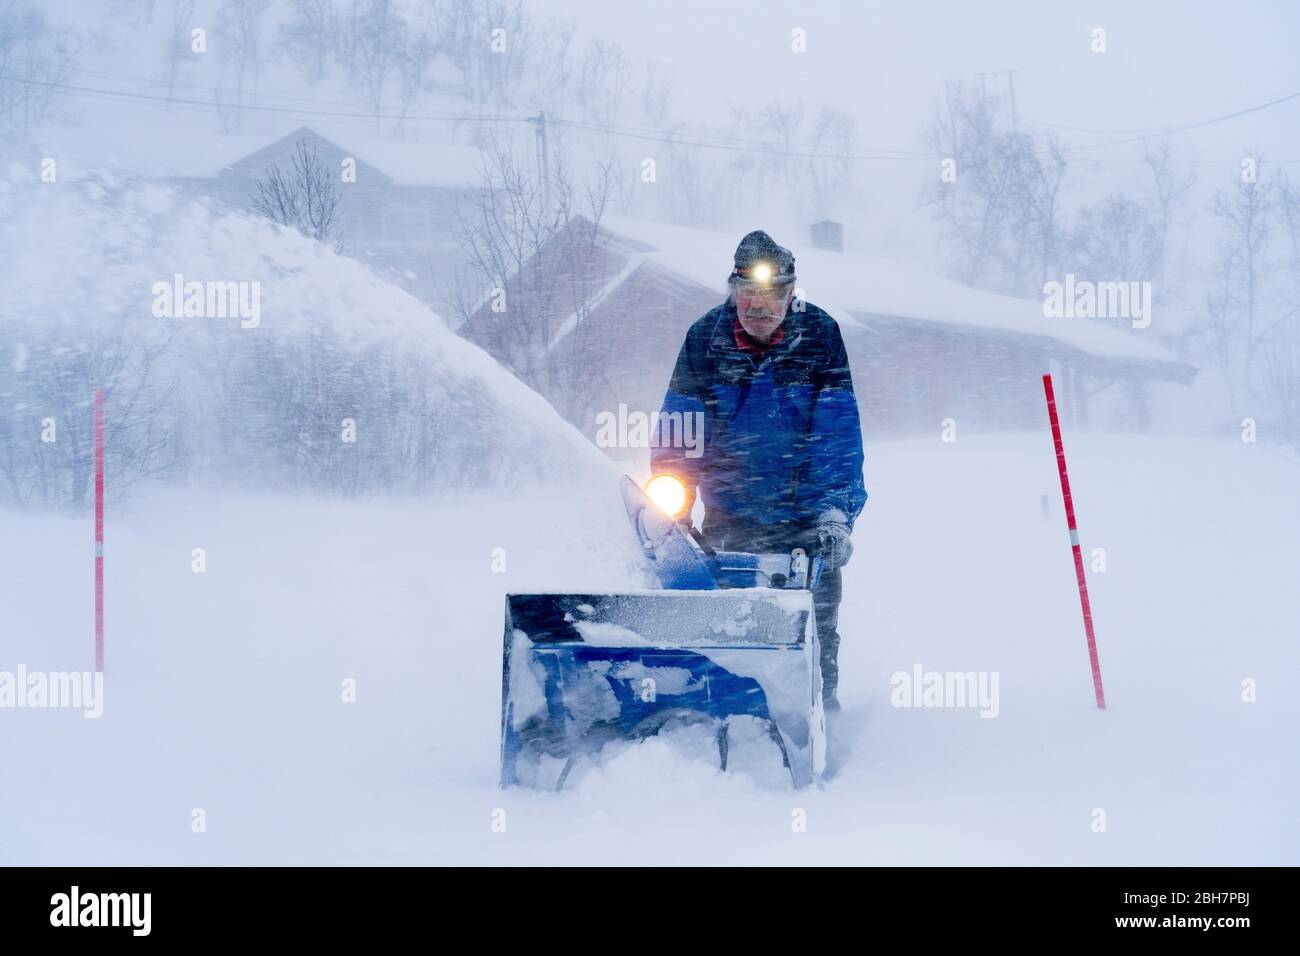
834,539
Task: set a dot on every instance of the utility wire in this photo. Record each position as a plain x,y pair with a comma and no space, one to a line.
770,150
1189,126
160,81
123,94
727,144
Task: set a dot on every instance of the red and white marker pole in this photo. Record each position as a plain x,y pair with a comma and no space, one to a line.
99,530
1074,542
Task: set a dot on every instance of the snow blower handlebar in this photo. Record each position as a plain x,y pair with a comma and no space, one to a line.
661,518
793,571
797,569
684,561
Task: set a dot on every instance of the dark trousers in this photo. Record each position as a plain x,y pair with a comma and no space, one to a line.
725,532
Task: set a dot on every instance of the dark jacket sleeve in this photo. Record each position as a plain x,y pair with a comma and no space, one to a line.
679,431
836,437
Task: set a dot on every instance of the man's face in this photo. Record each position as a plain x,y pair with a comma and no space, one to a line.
761,308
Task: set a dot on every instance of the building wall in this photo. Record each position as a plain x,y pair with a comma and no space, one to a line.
909,376
642,326
394,229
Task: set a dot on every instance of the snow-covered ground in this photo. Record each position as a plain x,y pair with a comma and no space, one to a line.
223,689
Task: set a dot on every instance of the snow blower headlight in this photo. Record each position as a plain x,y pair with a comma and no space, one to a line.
668,494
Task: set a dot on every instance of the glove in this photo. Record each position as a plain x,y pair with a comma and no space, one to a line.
835,540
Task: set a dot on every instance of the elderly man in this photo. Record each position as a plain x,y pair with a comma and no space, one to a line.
782,455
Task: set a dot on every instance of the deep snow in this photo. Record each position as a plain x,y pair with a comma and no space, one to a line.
223,688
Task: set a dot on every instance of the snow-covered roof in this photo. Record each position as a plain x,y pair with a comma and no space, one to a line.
404,164
850,286
422,164
157,152
146,152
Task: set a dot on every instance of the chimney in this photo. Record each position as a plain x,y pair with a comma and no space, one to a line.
828,235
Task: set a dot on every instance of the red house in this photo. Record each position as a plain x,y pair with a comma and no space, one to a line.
922,348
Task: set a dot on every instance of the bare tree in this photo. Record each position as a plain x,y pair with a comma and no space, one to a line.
1281,361
776,128
574,378
536,265
1280,378
178,39
1038,220
375,39
1118,239
1001,211
1244,265
552,63
238,21
975,210
1168,189
309,36
784,151
306,197
700,192
486,43
34,61
505,233
1250,327
1216,336
657,94
830,171
415,68
604,82
47,441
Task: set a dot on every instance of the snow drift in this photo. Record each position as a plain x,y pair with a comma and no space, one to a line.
313,372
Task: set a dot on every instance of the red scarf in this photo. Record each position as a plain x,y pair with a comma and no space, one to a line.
747,343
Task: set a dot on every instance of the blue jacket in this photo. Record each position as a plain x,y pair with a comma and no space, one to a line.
782,442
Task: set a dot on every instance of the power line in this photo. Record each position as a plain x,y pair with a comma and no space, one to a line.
734,147
463,117
158,81
628,132
1189,126
123,94
728,138
728,143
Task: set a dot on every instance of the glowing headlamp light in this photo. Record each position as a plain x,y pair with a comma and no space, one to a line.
668,494
761,273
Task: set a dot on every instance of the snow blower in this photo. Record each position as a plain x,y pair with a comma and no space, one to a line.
730,635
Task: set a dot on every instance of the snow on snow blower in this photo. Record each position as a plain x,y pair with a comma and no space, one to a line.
730,635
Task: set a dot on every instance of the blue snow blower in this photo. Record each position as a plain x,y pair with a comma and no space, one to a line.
731,635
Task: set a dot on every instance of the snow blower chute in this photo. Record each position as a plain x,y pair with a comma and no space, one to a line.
730,635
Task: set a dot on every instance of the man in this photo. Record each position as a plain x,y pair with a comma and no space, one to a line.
781,465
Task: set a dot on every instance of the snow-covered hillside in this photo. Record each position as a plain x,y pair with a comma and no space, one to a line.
223,688
89,264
